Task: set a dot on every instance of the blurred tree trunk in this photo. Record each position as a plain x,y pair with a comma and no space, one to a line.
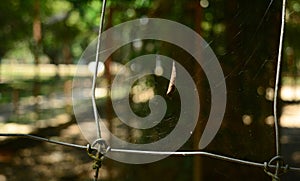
252,32
108,76
68,96
199,77
37,30
67,55
37,37
0,69
16,101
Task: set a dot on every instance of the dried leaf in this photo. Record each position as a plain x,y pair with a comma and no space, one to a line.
171,87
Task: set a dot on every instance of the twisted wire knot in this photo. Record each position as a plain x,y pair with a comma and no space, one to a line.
281,167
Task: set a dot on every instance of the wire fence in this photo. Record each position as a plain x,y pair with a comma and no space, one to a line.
98,156
274,168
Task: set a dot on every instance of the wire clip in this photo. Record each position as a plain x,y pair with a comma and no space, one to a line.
280,168
98,154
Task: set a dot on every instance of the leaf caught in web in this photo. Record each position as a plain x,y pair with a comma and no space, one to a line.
171,87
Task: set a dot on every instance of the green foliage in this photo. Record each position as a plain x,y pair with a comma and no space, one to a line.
68,24
292,50
15,23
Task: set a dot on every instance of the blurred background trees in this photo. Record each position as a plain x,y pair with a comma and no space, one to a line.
243,34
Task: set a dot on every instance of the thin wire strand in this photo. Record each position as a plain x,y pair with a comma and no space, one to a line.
179,153
145,152
38,138
279,58
101,23
96,116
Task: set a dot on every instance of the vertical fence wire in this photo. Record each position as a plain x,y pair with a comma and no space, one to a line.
276,90
178,153
98,48
277,77
95,111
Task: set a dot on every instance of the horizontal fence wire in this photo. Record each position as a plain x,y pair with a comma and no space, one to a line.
38,138
182,153
145,152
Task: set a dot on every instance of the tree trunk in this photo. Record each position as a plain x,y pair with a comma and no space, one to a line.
37,32
252,32
199,77
37,36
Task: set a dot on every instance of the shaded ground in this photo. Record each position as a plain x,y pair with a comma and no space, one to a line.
23,159
44,161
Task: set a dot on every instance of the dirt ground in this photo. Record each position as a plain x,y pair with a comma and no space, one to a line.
46,161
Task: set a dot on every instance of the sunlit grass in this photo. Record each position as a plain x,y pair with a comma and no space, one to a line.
13,72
